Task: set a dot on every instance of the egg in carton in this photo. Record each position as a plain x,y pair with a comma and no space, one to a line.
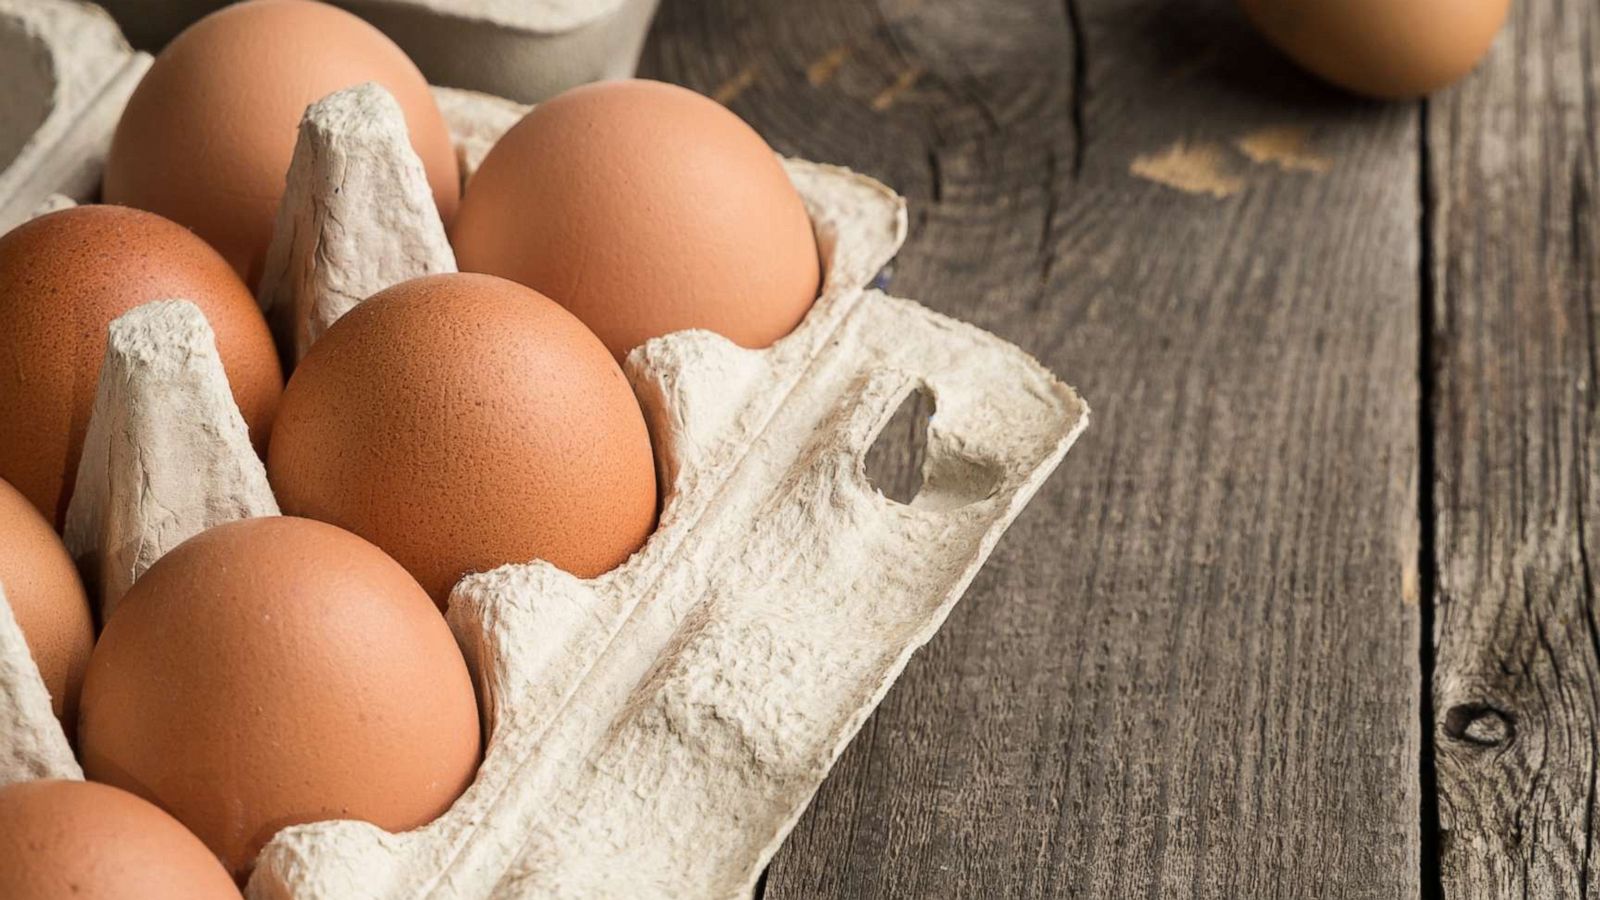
526,49
655,731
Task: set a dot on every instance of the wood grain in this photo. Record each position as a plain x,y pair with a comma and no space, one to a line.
1514,349
1192,669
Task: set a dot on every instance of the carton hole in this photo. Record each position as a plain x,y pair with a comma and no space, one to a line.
28,72
895,460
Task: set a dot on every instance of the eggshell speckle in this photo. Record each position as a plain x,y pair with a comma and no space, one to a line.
274,671
63,278
461,422
207,136
93,842
1393,49
47,600
644,208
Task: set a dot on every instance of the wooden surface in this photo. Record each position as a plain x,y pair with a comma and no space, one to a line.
1195,666
1514,381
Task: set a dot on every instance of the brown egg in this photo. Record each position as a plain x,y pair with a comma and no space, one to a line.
1393,49
92,842
644,208
47,599
207,137
275,671
461,422
63,278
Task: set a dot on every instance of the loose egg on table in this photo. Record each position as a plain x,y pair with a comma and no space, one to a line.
208,134
92,842
1393,49
42,587
63,278
275,671
461,422
644,208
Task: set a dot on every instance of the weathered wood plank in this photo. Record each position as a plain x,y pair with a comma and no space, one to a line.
1514,344
1192,668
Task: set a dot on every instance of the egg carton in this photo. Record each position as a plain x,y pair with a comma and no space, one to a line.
65,75
656,731
524,49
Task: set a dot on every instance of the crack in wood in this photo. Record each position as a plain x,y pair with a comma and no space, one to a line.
1080,84
1047,229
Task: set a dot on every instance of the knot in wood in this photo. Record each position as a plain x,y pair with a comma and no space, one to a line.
1479,724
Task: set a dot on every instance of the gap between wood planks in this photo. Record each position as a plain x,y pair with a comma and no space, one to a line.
1430,875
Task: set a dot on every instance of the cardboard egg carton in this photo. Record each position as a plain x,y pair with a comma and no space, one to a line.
65,74
525,49
656,731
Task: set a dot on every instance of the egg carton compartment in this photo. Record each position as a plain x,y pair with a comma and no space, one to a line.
65,75
524,49
656,731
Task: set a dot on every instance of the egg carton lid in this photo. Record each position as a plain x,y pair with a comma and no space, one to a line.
538,16
529,49
530,16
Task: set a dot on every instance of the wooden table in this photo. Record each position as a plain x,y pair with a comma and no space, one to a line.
1309,611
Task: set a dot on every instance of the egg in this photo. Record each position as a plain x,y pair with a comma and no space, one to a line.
1393,49
47,599
93,842
63,278
275,671
644,208
207,136
461,422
